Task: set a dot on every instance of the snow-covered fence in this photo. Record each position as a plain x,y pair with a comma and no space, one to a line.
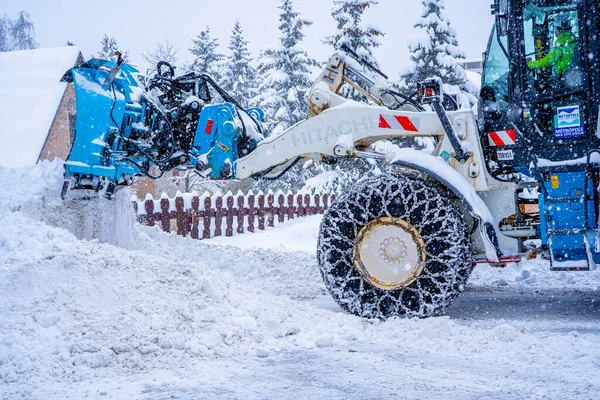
206,216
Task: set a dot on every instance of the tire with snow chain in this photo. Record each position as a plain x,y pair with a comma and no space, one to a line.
395,245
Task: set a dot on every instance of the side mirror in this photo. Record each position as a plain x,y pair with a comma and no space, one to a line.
202,90
500,11
431,90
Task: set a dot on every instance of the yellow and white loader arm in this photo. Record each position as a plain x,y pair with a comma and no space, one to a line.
341,128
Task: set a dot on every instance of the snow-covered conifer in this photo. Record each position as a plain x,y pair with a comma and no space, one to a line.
238,76
353,32
285,73
434,50
109,48
207,57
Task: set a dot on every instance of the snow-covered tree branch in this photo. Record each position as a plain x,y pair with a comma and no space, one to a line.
109,49
164,51
18,34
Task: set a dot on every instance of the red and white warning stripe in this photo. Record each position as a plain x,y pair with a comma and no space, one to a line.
502,138
398,122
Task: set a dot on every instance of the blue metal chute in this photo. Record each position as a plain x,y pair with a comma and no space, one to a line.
102,110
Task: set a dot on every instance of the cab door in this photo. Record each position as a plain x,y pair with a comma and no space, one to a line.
553,44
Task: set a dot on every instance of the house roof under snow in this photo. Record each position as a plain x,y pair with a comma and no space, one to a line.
30,93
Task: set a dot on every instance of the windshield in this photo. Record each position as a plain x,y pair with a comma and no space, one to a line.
496,62
494,91
551,40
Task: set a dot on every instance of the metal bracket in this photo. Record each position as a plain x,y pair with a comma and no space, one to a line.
460,154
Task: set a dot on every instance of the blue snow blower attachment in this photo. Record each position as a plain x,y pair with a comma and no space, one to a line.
124,129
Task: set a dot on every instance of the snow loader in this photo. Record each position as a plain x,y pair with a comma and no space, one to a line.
403,243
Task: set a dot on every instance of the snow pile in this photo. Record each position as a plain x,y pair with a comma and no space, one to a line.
78,312
71,306
535,274
35,191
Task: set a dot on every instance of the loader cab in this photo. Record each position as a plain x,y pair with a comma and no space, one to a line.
541,84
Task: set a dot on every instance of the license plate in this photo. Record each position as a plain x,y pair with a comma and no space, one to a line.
505,155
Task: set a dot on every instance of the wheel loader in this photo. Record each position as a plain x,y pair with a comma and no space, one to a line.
521,175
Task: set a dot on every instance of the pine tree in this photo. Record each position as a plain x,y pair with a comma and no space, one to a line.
207,58
352,32
238,76
109,48
434,50
285,73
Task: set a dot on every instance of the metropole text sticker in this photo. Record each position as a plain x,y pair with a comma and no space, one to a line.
567,123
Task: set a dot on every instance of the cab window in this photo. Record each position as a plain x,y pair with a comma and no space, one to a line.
494,90
551,33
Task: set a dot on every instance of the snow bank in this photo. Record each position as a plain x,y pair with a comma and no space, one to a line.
35,191
295,235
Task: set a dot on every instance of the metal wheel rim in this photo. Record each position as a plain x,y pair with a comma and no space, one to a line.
389,253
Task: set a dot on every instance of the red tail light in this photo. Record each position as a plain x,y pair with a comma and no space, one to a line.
209,126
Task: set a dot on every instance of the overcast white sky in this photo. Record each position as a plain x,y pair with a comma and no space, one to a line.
138,25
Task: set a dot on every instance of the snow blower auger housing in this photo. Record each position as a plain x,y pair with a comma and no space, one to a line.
126,128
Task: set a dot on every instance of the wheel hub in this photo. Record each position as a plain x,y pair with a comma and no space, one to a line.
389,253
393,250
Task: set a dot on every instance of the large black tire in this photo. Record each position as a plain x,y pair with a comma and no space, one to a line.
441,238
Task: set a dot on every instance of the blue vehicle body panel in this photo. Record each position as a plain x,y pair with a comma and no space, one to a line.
563,220
216,139
257,113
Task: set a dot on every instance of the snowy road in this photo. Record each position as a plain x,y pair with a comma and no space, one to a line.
552,310
369,371
160,317
375,371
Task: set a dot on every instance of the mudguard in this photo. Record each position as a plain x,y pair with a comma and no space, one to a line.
441,171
